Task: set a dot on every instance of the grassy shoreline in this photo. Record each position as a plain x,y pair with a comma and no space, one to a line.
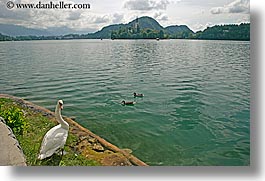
82,146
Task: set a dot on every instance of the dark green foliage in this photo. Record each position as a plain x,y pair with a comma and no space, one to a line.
132,33
178,32
225,32
14,118
5,38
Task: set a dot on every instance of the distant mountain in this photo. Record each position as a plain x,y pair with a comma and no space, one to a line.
105,32
5,38
56,31
16,30
144,22
177,28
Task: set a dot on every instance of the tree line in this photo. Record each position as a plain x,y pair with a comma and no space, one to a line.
218,32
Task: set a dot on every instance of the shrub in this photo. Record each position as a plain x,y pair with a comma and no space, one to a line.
14,118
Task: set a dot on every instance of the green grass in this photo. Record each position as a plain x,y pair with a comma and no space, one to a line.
31,138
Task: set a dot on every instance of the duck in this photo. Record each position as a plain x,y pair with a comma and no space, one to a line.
128,103
54,140
138,95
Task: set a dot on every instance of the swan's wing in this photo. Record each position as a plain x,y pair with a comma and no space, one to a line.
48,136
54,139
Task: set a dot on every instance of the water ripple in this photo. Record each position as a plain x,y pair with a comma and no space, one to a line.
197,93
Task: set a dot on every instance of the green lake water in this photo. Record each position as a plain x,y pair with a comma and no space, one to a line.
196,108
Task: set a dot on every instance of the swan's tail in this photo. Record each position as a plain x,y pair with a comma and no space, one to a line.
41,156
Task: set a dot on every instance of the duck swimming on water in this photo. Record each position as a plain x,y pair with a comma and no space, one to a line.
128,103
138,95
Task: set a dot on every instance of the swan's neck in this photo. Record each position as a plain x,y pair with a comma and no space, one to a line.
59,118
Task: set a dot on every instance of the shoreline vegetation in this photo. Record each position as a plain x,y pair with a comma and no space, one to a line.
148,28
83,147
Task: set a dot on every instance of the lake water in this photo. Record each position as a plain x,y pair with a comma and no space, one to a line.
196,108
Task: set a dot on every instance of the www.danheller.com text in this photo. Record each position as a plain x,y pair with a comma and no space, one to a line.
49,5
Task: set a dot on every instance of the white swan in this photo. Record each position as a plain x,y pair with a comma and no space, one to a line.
55,138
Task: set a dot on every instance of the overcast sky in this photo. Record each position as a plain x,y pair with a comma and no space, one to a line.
196,14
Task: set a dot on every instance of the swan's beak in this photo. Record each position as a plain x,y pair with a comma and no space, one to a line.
61,107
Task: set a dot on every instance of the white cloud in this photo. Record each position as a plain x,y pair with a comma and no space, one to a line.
36,18
74,15
160,16
237,6
100,19
117,18
146,5
17,14
81,19
201,27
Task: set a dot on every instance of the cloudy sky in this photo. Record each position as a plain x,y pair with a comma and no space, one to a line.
196,14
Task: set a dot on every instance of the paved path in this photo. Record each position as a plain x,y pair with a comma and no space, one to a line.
10,152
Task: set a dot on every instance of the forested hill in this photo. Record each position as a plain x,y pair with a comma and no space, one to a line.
143,27
225,32
149,28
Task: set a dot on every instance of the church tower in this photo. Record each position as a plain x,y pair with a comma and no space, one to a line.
137,26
